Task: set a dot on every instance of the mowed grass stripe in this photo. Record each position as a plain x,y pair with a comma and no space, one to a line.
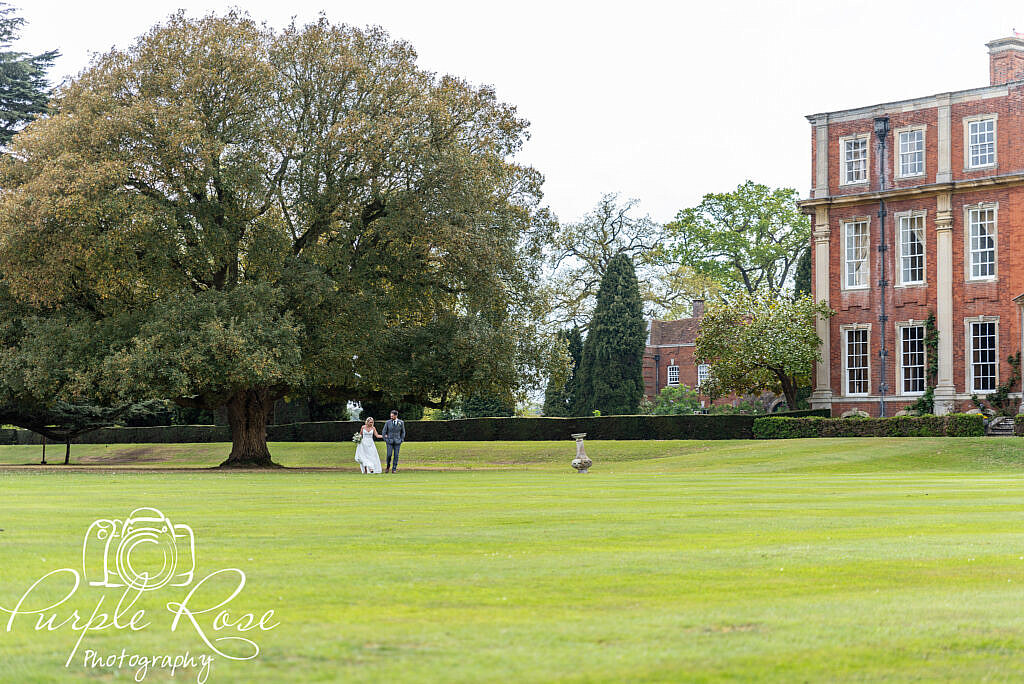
668,569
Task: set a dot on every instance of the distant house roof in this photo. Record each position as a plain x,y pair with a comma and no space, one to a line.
669,333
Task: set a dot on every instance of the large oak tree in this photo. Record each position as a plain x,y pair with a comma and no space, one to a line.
223,214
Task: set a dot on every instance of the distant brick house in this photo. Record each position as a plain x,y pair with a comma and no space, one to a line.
668,358
669,361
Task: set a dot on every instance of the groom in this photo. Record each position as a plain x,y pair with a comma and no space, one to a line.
393,434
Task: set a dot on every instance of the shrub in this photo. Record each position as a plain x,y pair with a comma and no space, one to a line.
965,425
1018,425
675,401
469,429
956,425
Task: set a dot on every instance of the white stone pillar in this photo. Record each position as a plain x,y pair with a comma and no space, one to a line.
820,158
944,168
945,390
822,395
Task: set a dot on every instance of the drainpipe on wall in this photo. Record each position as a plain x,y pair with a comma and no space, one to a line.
657,374
882,132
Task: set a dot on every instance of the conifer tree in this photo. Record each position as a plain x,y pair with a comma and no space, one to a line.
24,90
558,399
802,280
610,377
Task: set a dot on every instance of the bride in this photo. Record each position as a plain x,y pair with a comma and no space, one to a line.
366,451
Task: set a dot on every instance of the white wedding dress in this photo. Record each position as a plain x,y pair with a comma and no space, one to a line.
366,453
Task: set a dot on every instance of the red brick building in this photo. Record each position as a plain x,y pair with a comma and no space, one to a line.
669,362
668,358
918,207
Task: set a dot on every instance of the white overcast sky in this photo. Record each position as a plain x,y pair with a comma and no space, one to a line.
660,101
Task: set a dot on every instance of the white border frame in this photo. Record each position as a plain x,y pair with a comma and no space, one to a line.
994,206
899,248
842,254
844,341
969,353
967,140
842,159
924,152
900,325
699,366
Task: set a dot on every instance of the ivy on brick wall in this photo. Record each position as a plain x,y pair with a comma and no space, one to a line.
925,404
1000,400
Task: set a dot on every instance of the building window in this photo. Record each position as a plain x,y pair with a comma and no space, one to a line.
855,159
983,356
911,153
911,246
856,261
673,375
703,373
912,358
981,142
982,242
857,361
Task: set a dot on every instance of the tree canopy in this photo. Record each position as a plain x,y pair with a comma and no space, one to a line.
222,215
802,280
578,255
759,342
560,392
610,376
24,89
750,238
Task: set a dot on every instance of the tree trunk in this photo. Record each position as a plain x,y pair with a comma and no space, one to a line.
247,416
788,389
44,451
67,452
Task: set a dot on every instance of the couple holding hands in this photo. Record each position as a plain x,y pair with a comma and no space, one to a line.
366,451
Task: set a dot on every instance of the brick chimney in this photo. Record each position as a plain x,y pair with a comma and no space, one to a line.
1006,59
698,308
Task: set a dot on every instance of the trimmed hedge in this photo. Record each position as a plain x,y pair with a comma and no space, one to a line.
1018,425
469,429
955,425
160,434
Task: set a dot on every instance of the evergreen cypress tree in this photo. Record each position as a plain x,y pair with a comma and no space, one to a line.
802,279
610,377
558,401
24,91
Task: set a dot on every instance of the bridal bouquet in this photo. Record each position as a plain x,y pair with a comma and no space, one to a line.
357,438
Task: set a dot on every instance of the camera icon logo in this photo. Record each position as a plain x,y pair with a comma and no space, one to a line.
144,551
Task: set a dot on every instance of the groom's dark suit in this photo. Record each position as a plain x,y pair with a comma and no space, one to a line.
394,435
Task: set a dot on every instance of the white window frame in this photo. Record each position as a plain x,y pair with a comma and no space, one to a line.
843,160
900,245
703,373
845,254
899,133
900,328
968,233
845,331
968,122
969,355
668,375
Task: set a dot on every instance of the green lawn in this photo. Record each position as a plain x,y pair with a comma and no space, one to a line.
811,560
